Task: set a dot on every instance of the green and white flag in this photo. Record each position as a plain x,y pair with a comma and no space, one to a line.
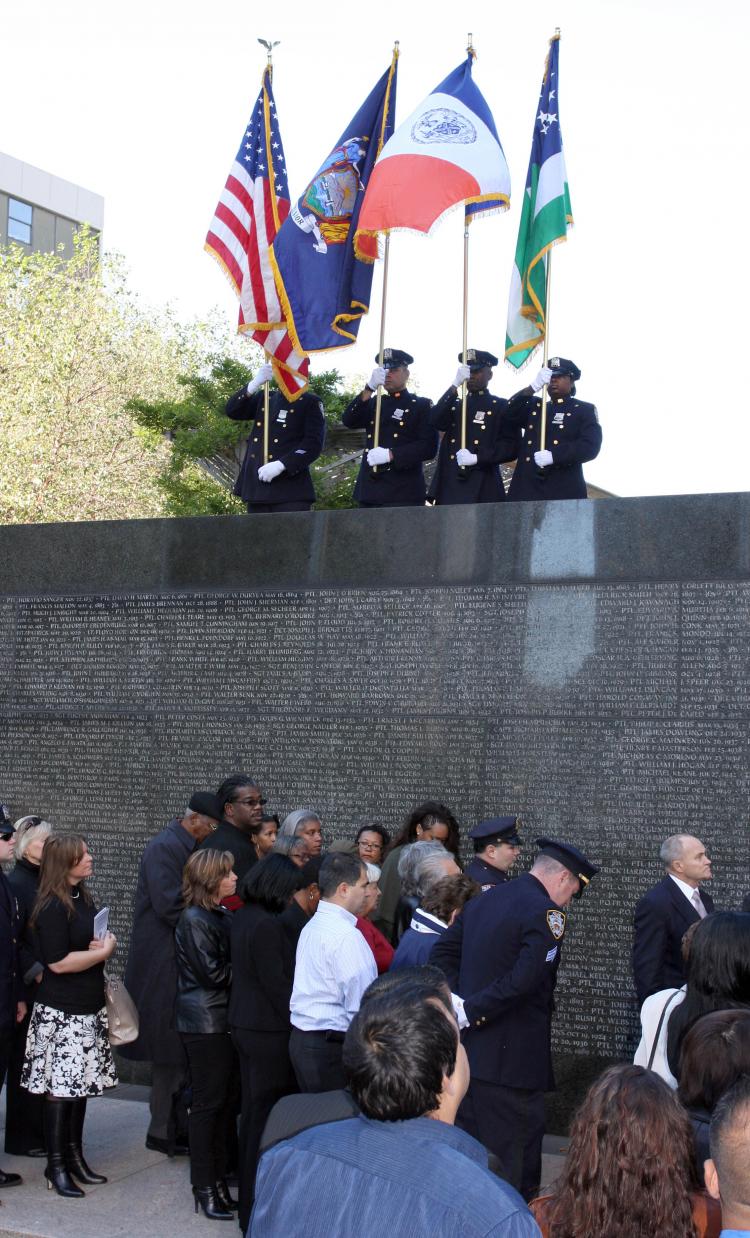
545,219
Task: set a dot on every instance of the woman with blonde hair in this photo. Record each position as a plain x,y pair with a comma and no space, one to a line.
24,1123
204,975
68,1056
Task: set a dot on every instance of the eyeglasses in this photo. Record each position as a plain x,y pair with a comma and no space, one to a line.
251,803
371,846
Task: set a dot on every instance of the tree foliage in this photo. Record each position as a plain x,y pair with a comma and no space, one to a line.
75,348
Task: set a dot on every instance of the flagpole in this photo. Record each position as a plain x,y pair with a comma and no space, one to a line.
379,396
269,45
543,425
463,473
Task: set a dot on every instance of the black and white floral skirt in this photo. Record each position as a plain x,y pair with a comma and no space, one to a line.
68,1054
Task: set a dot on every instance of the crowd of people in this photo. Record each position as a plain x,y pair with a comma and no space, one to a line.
358,1033
470,430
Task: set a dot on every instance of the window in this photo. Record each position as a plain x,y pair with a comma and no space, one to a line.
19,221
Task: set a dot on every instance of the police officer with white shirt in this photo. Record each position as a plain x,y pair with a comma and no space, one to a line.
471,474
552,469
391,473
296,432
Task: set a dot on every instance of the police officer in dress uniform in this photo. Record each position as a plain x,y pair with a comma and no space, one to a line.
391,474
296,432
12,1006
496,848
552,469
501,957
472,474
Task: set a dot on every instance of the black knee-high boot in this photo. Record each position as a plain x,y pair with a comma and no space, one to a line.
74,1162
56,1136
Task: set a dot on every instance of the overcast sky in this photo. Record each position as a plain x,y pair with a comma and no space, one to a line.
145,103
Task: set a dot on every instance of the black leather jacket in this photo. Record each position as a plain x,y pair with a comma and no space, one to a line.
204,970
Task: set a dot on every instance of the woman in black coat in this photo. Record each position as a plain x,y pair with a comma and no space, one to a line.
204,975
263,973
24,1121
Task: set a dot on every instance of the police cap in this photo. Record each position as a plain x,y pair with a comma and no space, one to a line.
393,358
561,365
573,859
497,829
477,359
207,804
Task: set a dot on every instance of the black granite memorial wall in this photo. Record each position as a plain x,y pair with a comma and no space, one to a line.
582,664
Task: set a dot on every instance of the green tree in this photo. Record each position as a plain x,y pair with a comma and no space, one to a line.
75,348
206,448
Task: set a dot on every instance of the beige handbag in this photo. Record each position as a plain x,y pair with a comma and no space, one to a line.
122,1015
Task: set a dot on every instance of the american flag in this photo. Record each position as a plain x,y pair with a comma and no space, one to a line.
251,209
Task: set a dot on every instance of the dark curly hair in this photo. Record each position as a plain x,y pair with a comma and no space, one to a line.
432,812
630,1167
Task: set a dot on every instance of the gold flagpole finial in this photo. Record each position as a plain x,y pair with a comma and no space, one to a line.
470,47
396,52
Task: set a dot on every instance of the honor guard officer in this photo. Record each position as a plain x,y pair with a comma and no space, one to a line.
296,431
501,956
552,469
391,474
496,848
472,474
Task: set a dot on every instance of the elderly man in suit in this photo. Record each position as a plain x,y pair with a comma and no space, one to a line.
665,913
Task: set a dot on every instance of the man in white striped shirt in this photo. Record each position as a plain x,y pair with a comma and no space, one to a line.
334,967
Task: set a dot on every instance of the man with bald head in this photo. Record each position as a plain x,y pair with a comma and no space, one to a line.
665,913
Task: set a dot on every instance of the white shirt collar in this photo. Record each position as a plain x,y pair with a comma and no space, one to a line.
333,909
687,890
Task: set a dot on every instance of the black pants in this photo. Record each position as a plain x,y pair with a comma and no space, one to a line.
168,1116
269,508
316,1058
24,1120
510,1123
212,1060
267,1075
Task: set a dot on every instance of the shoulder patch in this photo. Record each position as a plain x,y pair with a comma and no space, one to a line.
556,923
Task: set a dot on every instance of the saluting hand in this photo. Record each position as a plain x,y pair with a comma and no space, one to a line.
377,378
463,373
264,375
542,378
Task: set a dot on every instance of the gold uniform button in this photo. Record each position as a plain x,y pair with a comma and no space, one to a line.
554,442
527,459
275,440
395,436
255,440
453,456
453,440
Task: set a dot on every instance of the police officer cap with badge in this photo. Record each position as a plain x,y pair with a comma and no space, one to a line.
496,846
571,858
391,472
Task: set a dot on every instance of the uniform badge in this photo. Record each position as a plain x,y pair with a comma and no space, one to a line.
479,417
554,363
282,415
387,354
398,415
558,418
471,354
556,922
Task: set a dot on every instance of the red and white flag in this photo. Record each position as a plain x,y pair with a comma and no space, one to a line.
251,209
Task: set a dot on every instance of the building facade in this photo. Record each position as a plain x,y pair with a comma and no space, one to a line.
41,212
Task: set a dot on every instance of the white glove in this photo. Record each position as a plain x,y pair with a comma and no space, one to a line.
543,459
465,459
459,1012
267,472
542,378
377,378
264,375
378,455
462,373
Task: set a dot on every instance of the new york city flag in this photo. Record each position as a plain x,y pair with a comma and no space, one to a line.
445,153
323,281
545,218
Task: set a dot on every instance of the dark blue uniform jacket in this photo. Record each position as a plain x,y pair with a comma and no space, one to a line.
501,955
573,436
405,430
296,432
485,874
489,435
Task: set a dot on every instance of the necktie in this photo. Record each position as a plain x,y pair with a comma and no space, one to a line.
698,904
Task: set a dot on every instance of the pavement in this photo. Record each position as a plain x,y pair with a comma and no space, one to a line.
147,1196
